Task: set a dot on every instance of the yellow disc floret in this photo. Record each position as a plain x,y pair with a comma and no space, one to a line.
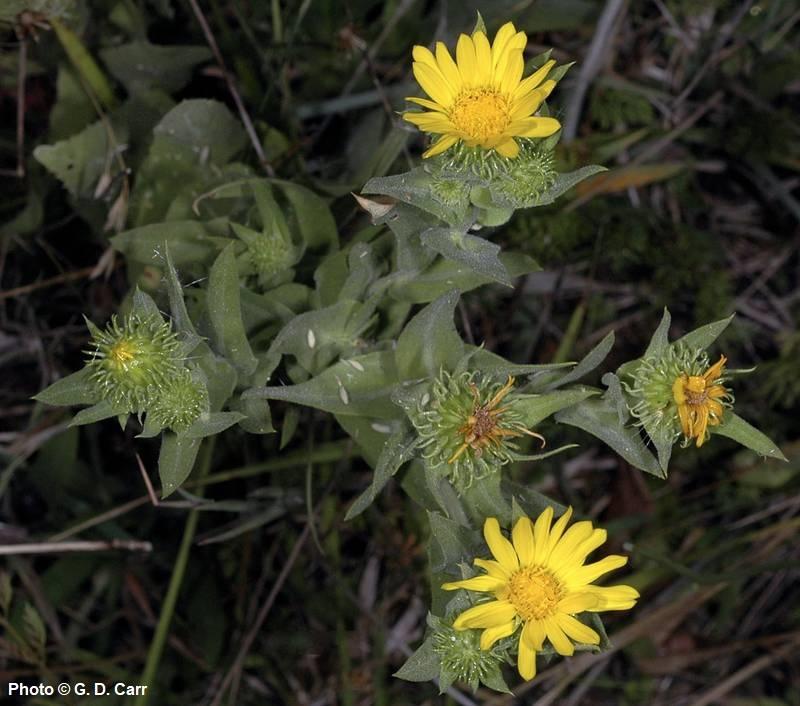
481,113
122,354
534,592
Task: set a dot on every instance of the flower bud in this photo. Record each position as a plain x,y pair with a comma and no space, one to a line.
526,177
179,403
269,253
462,658
132,359
453,193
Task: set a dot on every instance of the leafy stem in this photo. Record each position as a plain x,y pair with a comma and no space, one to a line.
175,582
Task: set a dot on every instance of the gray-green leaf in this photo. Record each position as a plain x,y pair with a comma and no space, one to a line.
140,64
600,418
564,182
213,423
398,449
360,386
536,408
225,311
451,543
704,336
175,461
479,254
423,665
206,126
592,359
430,342
95,413
73,389
660,339
736,428
79,161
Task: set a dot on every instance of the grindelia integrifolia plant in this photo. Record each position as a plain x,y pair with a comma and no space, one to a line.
260,292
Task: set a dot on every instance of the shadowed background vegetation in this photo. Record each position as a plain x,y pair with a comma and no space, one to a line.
691,105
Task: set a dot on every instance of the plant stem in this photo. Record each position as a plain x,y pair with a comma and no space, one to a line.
325,453
175,582
570,335
83,61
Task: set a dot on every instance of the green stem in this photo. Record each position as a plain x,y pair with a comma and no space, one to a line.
325,453
83,61
175,582
277,22
570,335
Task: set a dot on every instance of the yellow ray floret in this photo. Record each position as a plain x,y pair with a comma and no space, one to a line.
700,401
540,581
481,98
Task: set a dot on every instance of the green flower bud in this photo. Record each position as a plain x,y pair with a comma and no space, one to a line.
271,254
452,193
130,361
179,403
475,165
462,658
528,177
466,423
268,254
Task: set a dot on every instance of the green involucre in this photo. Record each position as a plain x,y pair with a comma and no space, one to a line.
179,403
462,657
443,415
650,386
132,360
270,254
518,180
450,192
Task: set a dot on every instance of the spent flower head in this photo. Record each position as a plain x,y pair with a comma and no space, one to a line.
481,99
701,400
678,391
133,359
466,423
540,582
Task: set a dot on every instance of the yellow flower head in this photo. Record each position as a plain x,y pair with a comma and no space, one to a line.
701,401
539,581
481,98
